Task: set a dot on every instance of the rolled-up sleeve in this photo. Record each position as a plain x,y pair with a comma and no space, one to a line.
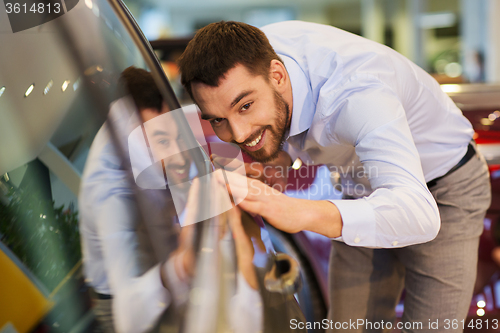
400,211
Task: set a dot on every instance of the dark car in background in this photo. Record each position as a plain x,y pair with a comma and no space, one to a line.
480,103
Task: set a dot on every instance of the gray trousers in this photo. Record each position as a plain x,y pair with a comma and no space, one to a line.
438,276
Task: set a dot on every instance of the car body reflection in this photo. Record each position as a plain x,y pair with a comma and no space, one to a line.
66,157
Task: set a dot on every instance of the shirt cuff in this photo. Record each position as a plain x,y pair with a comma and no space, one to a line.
358,219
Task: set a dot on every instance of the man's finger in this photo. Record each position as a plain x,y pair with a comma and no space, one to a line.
253,169
229,164
192,203
231,177
251,207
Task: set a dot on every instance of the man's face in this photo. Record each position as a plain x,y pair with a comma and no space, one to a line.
246,110
165,143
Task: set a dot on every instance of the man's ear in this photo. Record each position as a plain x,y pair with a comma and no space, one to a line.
278,75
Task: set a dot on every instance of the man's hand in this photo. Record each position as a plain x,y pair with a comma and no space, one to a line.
288,214
184,256
274,174
244,246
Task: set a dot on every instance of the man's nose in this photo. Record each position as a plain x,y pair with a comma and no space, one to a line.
240,132
177,157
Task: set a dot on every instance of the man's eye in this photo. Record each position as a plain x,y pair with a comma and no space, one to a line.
217,121
245,107
164,142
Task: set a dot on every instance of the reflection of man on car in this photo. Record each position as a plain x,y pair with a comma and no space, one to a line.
178,164
134,261
121,262
173,165
166,145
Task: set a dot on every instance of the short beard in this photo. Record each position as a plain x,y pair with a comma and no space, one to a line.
279,136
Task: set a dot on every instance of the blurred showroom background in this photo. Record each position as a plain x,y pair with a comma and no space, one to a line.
455,40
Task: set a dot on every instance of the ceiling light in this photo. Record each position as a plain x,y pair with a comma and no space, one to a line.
76,84
92,70
451,88
2,90
47,88
65,85
30,89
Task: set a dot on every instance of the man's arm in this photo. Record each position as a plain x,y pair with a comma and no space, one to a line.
401,211
283,212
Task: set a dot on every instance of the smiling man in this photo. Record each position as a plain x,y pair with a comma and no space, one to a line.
264,140
296,89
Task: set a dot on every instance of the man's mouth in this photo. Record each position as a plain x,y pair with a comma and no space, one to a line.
180,171
257,143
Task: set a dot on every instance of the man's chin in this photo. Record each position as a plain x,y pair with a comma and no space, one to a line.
262,156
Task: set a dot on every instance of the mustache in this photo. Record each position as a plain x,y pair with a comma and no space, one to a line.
177,166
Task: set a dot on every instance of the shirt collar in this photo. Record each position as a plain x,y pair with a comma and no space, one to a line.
303,105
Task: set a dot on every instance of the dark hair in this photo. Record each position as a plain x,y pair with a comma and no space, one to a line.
140,84
220,46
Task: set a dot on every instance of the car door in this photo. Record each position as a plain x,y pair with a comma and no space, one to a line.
97,208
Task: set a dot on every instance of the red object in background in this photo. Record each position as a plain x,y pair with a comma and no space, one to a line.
480,104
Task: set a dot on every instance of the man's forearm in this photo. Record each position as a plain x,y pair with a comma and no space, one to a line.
285,213
321,217
294,215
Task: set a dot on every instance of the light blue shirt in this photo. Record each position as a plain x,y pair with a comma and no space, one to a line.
116,258
376,119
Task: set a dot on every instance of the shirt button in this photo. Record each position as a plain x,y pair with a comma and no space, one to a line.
357,240
394,243
161,304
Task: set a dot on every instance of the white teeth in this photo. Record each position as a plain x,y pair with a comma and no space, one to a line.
180,171
254,142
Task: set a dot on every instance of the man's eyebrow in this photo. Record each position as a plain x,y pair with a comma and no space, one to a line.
240,97
160,132
206,116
